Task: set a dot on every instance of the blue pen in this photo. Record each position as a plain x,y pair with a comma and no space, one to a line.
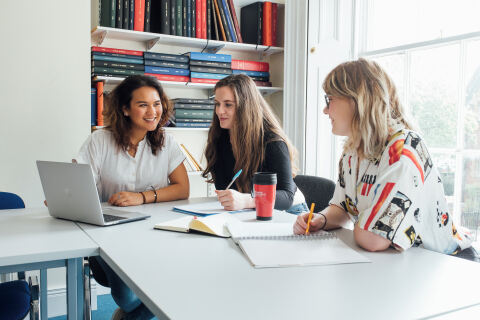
233,179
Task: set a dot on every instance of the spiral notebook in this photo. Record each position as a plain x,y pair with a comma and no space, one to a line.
271,245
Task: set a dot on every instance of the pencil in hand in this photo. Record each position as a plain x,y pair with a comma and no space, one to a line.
310,215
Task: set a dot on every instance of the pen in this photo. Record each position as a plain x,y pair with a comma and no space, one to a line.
310,217
233,179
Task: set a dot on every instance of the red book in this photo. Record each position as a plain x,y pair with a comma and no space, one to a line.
168,77
198,19
99,86
274,24
201,80
204,19
263,83
121,51
267,24
250,65
235,21
139,15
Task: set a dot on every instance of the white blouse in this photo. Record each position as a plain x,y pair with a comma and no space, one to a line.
399,196
115,170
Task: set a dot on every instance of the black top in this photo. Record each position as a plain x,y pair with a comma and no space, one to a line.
277,159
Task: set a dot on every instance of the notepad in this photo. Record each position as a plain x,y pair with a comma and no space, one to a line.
204,208
214,224
270,245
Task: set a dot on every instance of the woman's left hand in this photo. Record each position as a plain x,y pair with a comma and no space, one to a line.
125,199
234,200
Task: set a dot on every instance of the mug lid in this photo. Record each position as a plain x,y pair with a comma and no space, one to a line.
265,178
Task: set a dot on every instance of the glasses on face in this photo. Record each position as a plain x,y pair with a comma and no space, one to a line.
327,100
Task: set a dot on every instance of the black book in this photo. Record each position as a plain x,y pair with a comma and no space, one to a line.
194,101
212,64
209,19
173,16
165,57
107,13
155,16
179,20
115,71
126,13
214,22
166,64
224,16
131,15
264,79
210,70
148,9
189,18
184,15
194,18
118,55
119,15
194,106
117,65
165,17
251,17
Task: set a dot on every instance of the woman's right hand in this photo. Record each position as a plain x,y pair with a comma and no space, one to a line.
316,223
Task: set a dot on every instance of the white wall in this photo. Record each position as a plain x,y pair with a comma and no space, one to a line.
44,88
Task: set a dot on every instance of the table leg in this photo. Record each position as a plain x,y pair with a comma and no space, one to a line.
74,289
43,294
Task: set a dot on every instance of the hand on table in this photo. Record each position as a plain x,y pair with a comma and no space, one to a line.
233,200
125,199
300,225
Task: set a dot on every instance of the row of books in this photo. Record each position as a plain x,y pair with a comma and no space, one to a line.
190,163
205,19
192,113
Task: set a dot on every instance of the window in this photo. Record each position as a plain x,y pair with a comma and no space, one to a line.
431,49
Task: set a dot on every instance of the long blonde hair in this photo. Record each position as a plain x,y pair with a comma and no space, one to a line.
377,106
253,120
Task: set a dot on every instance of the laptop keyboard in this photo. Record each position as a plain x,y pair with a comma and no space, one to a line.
110,218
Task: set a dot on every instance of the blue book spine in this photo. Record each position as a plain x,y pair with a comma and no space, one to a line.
165,57
193,124
229,20
172,71
127,60
93,96
189,18
204,75
252,73
210,57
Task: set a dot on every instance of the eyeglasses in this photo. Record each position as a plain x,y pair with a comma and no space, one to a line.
327,100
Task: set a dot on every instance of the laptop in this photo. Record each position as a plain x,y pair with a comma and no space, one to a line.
71,194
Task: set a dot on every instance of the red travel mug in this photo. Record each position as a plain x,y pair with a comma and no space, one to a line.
264,187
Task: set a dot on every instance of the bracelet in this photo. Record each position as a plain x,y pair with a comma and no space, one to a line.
143,196
155,192
325,217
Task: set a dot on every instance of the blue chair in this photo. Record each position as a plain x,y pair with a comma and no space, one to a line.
18,297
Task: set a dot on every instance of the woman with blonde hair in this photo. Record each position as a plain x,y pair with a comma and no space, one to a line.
245,134
388,185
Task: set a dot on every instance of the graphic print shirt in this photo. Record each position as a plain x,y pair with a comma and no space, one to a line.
399,196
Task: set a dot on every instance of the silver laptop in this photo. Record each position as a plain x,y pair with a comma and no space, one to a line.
71,194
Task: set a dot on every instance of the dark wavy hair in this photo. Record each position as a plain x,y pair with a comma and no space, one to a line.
120,98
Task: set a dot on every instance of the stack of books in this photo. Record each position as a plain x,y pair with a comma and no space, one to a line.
116,62
209,67
190,163
256,70
259,23
192,113
167,67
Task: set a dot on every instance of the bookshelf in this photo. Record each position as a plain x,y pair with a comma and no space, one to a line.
195,138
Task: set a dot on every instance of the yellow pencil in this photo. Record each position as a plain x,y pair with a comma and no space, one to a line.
310,215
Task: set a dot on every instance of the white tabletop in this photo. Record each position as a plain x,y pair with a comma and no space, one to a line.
32,235
185,276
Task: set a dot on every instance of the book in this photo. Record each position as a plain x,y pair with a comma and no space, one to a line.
139,15
208,75
117,55
131,14
168,77
204,209
190,100
250,65
209,19
203,17
148,10
99,87
117,59
215,28
117,51
173,17
193,125
252,73
273,244
165,57
223,18
193,121
126,13
119,15
274,23
210,70
191,157
201,80
189,19
93,104
117,65
213,64
194,106
115,71
263,83
193,114
209,56
228,18
251,17
167,64
267,24
163,70
165,17
235,20
194,19
219,22
179,19
214,225
107,13
184,17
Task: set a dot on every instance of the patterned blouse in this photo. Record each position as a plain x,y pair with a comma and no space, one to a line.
399,196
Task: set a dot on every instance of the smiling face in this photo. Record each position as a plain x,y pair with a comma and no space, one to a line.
145,109
340,111
225,107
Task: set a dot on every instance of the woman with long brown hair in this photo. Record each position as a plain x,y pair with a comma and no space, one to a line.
134,162
245,134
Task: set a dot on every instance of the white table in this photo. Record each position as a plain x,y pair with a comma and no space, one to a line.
30,239
185,276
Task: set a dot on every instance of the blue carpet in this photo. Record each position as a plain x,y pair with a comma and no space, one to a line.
105,308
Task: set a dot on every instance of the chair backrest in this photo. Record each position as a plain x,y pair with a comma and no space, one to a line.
10,201
316,190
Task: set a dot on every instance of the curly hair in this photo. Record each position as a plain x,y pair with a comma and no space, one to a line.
120,98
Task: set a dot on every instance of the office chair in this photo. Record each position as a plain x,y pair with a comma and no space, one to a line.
17,298
316,190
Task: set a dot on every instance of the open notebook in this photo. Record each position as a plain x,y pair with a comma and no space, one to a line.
204,208
212,224
269,244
